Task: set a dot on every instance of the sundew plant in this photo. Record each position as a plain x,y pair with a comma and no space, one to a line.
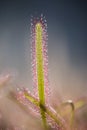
37,102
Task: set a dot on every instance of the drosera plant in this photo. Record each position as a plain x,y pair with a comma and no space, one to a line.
40,68
38,100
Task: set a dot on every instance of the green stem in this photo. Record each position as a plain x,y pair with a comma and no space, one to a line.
71,104
40,70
